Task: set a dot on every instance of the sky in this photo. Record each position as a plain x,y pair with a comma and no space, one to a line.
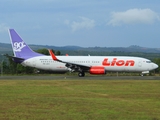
85,23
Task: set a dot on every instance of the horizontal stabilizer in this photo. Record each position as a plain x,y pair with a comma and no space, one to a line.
15,59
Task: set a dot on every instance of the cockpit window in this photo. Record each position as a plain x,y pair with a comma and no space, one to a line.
148,61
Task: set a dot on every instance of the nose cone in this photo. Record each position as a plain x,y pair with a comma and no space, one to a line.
155,66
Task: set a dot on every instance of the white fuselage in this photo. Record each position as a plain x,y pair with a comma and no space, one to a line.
110,63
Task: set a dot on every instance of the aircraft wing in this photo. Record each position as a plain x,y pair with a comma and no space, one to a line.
72,66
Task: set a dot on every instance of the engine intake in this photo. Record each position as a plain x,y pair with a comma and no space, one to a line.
97,70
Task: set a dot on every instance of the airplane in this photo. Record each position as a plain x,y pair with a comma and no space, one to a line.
96,65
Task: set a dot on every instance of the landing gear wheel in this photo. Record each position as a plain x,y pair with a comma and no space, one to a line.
81,74
141,75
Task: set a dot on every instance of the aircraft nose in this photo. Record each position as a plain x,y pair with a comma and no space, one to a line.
155,66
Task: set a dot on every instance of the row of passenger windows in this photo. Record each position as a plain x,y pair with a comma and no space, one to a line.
52,61
84,61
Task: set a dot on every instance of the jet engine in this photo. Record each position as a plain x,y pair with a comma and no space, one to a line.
97,70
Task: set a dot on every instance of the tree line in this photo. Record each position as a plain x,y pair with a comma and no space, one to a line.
8,66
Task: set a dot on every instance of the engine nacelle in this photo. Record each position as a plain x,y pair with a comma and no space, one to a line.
97,70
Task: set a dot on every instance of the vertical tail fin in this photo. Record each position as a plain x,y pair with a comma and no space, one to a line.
20,48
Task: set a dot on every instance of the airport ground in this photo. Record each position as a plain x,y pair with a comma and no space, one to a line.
64,97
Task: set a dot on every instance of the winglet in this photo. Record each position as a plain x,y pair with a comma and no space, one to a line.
53,55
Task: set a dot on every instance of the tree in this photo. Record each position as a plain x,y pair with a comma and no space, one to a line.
12,66
43,51
58,52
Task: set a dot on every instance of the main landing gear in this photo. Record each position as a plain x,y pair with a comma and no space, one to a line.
81,74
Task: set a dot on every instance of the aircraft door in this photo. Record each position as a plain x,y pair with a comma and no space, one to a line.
139,63
34,63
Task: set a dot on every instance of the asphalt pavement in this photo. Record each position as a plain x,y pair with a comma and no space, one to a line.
67,77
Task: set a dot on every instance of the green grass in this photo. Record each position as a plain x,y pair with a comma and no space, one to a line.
79,100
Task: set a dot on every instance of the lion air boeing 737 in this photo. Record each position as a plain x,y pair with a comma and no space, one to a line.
97,65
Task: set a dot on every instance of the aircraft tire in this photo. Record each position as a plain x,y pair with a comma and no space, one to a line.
81,74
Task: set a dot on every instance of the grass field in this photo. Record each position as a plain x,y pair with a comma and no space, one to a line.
79,100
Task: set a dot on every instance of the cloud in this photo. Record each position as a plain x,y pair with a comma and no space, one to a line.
131,16
66,22
85,23
3,27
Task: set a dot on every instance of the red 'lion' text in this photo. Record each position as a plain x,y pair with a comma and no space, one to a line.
116,62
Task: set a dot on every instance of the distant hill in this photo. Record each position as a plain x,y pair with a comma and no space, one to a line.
133,48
